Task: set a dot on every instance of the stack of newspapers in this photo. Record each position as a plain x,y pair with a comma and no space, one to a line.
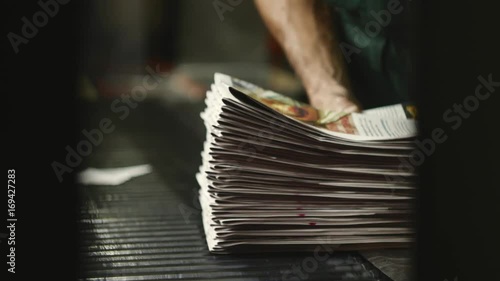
280,175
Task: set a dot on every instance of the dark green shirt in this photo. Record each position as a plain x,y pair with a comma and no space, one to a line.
374,36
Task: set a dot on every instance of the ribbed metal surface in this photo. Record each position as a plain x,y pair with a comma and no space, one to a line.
137,231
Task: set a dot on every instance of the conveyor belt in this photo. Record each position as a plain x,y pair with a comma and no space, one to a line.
144,228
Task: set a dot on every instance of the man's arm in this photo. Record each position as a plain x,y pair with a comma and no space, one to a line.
303,29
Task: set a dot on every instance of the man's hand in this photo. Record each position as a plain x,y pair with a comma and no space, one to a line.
303,29
332,96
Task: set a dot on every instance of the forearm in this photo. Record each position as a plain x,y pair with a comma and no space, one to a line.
303,29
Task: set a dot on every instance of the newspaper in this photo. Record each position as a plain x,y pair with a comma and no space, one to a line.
383,123
280,175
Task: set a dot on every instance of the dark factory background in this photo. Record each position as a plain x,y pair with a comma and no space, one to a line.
75,75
